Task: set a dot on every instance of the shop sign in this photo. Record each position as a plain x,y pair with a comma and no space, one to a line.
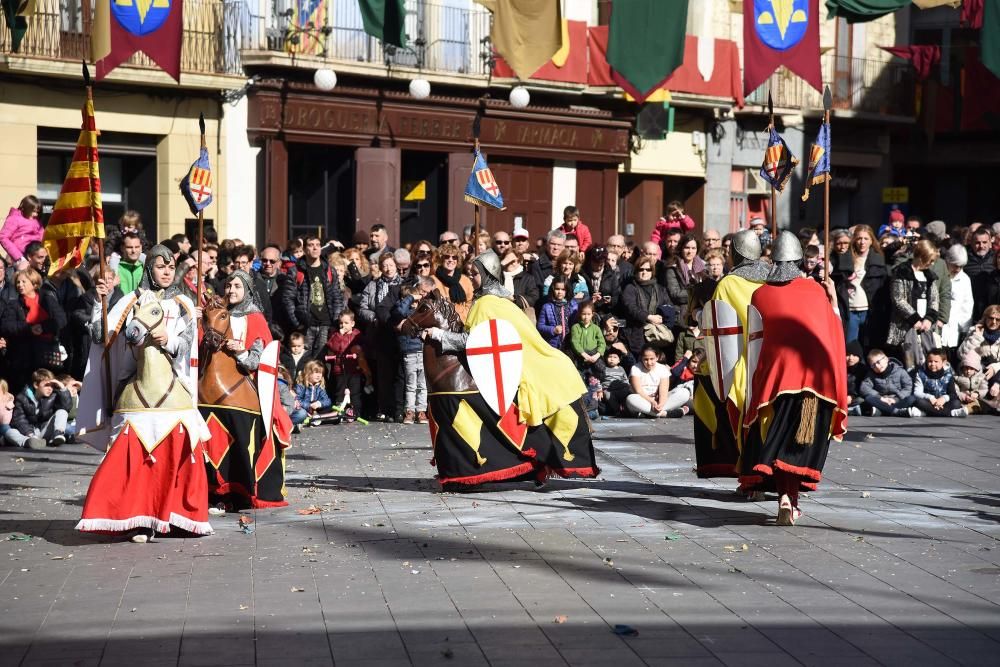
414,190
896,195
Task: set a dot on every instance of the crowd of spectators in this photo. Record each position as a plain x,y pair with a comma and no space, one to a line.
920,305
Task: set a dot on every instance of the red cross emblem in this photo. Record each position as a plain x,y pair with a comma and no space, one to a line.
488,183
494,354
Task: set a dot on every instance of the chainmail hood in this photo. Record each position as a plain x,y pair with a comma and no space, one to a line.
251,300
149,283
782,272
756,270
491,275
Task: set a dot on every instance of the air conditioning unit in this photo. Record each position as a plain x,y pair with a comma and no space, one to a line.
756,185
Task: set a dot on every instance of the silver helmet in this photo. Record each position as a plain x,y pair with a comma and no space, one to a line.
746,244
490,263
786,248
490,275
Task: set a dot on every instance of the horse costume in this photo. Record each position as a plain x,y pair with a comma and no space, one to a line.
545,432
152,476
238,397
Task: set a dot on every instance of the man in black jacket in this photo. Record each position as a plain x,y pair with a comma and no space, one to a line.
979,268
271,282
315,299
541,268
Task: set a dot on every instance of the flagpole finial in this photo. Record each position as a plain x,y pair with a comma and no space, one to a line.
86,73
201,122
827,99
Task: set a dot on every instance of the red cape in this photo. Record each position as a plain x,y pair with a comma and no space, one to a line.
803,349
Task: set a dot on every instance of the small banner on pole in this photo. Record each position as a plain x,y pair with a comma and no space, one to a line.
482,188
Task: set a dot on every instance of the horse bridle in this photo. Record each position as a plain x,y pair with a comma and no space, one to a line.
213,339
173,378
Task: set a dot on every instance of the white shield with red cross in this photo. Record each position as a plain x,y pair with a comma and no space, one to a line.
755,340
267,382
495,358
723,344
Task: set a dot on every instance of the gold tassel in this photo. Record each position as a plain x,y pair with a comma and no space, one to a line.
807,421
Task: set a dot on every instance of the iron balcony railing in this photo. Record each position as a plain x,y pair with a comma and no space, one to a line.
857,84
440,37
211,41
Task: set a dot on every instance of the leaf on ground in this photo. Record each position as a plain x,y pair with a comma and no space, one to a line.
245,520
312,509
561,618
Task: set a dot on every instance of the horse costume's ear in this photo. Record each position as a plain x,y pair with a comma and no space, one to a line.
215,302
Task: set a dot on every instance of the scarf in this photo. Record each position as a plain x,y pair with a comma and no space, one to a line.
991,337
651,291
697,268
383,284
508,278
455,291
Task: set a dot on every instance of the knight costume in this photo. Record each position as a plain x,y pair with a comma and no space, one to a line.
797,387
245,457
717,420
152,477
545,430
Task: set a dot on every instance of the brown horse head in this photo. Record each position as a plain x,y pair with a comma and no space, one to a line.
215,323
433,311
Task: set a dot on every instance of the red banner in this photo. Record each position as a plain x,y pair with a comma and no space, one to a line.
154,27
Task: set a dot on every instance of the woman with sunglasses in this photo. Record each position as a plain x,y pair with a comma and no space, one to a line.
641,301
452,284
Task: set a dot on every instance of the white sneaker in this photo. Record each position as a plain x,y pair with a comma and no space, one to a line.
914,411
960,412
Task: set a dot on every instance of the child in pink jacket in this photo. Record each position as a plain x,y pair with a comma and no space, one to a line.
674,219
21,227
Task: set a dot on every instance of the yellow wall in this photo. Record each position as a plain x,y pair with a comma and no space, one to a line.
25,107
673,156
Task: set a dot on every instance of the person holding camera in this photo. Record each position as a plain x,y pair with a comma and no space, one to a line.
41,412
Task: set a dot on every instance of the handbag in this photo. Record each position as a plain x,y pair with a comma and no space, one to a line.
657,334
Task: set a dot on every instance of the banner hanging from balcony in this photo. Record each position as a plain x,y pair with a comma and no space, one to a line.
527,33
385,20
482,188
16,13
778,161
861,11
124,27
308,19
819,160
990,37
645,44
780,32
78,215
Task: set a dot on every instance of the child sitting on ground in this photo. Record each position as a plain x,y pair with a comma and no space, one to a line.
888,390
293,357
587,343
285,395
40,413
614,384
310,396
970,383
6,408
74,386
856,374
557,313
682,382
934,388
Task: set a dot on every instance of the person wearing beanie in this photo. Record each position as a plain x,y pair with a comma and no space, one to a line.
896,225
857,371
970,383
962,301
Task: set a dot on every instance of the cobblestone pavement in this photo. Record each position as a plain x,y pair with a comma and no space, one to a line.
895,562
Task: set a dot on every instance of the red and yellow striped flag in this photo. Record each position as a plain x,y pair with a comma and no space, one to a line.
78,215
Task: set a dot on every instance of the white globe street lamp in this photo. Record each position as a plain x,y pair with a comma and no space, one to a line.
420,89
325,79
519,97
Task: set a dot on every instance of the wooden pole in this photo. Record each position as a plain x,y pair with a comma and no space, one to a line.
101,272
774,211
201,230
476,223
827,108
